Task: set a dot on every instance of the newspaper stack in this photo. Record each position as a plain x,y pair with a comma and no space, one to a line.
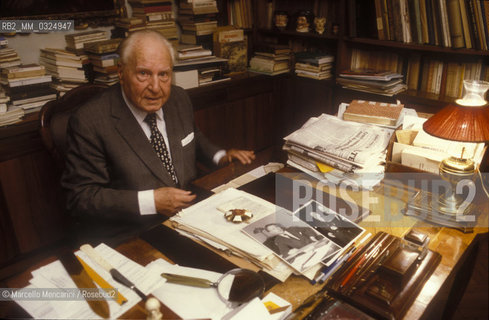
339,151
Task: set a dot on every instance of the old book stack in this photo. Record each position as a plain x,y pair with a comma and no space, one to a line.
27,86
271,59
386,83
75,41
104,59
313,65
198,20
157,15
124,26
8,56
152,11
196,66
329,148
67,68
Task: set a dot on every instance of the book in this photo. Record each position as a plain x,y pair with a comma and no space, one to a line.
369,74
236,52
22,71
26,81
313,58
373,112
104,46
455,23
466,24
186,79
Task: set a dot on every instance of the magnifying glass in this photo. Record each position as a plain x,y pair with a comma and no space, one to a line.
236,286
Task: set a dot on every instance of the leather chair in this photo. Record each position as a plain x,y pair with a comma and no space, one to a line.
54,116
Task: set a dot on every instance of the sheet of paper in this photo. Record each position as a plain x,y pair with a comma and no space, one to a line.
54,275
209,220
187,301
255,309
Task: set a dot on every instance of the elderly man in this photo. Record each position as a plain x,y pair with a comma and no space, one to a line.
133,149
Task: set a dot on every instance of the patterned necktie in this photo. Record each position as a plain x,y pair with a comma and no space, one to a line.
158,143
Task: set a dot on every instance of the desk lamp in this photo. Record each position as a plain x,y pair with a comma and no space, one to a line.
465,121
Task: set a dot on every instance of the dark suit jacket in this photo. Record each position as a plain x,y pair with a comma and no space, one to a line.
282,244
110,159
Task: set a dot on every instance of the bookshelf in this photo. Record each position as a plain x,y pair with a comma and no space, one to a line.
358,23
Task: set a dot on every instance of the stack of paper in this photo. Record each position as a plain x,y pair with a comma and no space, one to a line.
206,221
55,276
339,151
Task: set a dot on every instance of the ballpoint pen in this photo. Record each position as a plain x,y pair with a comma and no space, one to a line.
336,265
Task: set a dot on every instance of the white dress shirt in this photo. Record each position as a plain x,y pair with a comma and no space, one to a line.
146,198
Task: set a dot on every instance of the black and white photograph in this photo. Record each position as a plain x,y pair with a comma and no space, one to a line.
292,240
330,224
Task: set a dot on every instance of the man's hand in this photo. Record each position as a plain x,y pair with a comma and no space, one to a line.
244,156
169,200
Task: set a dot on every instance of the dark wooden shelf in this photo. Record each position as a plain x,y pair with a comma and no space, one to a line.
417,47
295,34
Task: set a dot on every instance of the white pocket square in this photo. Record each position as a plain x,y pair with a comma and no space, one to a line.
187,139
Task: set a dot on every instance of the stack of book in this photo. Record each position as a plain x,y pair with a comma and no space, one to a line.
75,41
198,20
156,15
67,68
104,59
313,65
192,52
196,66
271,59
386,83
328,147
124,26
27,86
152,11
8,56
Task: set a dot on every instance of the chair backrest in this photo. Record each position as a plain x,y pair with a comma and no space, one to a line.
54,116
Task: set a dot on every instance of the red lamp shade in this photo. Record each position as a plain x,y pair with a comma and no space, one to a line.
460,123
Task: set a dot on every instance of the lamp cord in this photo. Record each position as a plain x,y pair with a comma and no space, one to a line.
482,183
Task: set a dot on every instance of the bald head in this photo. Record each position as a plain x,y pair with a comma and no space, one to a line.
138,39
145,70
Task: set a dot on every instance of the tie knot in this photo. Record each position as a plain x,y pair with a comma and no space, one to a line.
150,119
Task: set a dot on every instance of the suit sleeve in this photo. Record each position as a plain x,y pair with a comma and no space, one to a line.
87,178
205,148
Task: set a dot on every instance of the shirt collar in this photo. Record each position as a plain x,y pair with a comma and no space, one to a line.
139,114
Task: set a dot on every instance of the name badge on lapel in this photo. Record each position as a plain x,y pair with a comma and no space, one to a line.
187,139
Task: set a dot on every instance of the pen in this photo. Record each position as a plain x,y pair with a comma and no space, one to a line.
360,263
336,265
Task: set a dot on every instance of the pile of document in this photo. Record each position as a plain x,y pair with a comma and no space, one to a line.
52,294
341,152
205,221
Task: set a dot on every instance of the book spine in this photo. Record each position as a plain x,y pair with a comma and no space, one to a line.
379,20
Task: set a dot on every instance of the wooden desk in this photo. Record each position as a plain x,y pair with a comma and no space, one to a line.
455,247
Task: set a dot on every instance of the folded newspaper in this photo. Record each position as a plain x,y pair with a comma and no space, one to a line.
354,151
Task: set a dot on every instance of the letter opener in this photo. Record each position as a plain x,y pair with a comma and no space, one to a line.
83,281
116,275
102,282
